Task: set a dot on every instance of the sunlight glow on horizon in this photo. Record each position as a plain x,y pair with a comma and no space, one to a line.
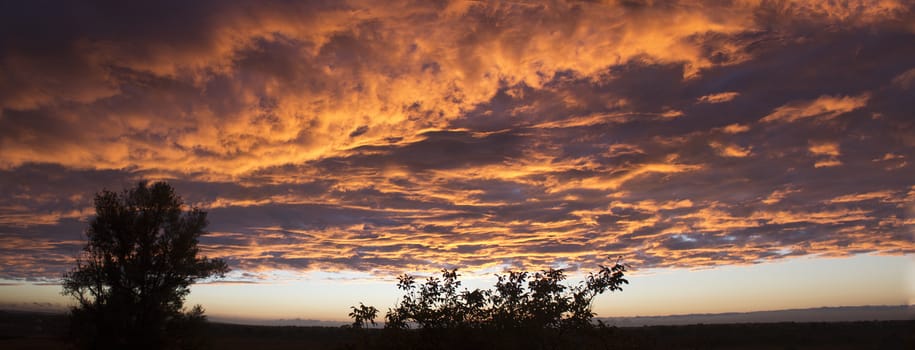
802,282
797,283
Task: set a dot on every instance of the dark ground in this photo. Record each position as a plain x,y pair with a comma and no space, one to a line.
21,330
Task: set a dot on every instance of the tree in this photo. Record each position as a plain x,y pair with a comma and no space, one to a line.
131,279
519,300
526,308
363,315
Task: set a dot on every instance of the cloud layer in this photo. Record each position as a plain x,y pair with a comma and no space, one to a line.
354,136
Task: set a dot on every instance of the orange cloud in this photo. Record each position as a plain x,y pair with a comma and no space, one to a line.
730,150
825,163
825,149
858,197
735,129
779,195
358,66
403,136
720,97
828,149
824,107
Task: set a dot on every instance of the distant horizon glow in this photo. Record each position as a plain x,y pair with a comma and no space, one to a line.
742,155
863,280
851,281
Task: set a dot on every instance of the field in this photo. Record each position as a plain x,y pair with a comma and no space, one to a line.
19,330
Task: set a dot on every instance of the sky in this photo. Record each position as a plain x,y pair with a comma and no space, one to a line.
739,155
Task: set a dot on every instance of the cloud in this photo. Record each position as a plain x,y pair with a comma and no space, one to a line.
735,129
906,79
720,97
829,162
779,195
824,107
858,197
828,153
730,150
249,87
355,136
825,149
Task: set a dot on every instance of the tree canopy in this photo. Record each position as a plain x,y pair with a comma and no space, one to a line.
132,277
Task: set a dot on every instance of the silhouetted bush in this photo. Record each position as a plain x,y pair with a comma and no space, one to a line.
362,315
135,271
523,310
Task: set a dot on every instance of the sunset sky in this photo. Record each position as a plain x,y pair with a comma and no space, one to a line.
739,154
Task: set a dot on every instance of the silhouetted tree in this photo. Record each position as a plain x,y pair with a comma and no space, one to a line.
536,309
363,315
136,269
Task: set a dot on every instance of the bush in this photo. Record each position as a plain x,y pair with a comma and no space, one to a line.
522,309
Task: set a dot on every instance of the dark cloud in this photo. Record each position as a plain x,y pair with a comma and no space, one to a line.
340,137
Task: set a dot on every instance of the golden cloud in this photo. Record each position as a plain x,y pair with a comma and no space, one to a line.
825,149
824,107
730,150
236,106
382,137
720,97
